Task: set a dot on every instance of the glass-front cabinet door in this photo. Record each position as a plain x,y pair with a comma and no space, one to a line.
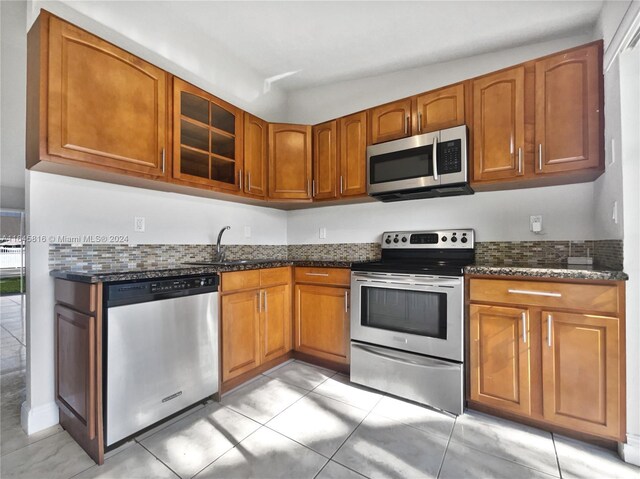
207,138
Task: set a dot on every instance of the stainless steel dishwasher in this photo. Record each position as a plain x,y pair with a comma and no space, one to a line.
161,351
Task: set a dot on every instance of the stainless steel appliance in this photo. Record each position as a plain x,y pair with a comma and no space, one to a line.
407,328
421,166
161,351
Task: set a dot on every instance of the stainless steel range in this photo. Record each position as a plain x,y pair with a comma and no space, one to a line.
407,317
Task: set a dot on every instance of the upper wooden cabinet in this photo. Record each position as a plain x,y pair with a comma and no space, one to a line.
352,131
325,164
289,161
256,135
499,125
568,111
390,121
207,138
92,103
440,109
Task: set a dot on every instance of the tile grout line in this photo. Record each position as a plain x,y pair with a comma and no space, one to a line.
13,336
555,450
446,449
158,459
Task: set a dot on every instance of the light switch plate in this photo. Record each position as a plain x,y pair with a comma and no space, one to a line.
322,233
535,223
139,224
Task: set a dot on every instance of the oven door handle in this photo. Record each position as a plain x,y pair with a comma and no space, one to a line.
409,282
415,360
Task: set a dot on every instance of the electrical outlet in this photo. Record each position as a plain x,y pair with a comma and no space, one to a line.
247,231
138,224
322,233
535,224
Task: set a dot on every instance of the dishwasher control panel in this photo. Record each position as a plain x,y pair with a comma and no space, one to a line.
139,291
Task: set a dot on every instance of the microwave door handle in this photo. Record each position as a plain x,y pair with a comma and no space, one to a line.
435,158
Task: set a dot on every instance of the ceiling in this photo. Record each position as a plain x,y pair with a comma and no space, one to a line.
303,44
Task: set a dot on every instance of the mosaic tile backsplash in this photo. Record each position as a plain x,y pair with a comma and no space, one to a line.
606,253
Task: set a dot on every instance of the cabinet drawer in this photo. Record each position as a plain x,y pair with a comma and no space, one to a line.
586,297
238,280
337,276
274,276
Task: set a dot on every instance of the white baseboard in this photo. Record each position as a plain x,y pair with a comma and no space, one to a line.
38,418
630,451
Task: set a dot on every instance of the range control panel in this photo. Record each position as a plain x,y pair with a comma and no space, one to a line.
442,239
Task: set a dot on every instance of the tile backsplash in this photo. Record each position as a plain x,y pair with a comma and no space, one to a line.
117,257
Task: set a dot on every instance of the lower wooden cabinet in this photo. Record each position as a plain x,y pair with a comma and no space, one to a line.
500,357
255,319
322,315
580,378
559,364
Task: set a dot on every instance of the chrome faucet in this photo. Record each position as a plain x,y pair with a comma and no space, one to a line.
219,252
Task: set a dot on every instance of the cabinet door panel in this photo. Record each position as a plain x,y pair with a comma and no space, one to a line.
391,121
325,165
440,109
322,322
255,155
240,333
76,366
353,154
568,111
500,357
105,106
498,125
289,161
580,372
276,336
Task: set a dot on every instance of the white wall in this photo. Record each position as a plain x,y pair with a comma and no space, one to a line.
59,205
318,104
496,216
13,58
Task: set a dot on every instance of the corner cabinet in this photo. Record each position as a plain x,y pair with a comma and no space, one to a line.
256,323
321,319
92,104
550,351
568,111
207,138
290,173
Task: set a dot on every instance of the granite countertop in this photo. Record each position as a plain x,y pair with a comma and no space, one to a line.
550,271
106,276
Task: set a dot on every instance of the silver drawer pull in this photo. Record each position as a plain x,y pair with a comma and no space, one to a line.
535,293
346,301
524,327
317,274
549,329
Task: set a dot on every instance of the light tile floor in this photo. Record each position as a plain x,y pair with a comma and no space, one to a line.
296,421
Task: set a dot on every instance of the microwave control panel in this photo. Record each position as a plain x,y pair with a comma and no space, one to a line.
450,156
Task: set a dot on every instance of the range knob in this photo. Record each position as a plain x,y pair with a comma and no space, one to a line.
454,239
404,239
388,240
464,239
444,239
395,240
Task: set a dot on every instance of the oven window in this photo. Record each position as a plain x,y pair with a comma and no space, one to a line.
416,312
401,165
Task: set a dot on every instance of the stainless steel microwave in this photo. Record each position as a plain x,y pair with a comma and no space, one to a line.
422,166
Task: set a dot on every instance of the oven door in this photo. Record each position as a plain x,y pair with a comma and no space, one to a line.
416,313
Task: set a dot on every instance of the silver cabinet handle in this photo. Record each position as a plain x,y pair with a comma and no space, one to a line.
259,301
317,274
313,188
240,180
540,156
549,320
406,125
163,159
346,301
265,300
248,181
341,184
419,122
535,293
524,327
435,158
519,160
